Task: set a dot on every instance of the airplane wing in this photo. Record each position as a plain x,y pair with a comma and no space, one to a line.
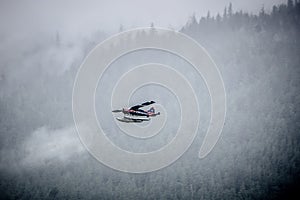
136,107
116,111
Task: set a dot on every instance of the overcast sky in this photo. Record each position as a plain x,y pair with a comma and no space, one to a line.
84,16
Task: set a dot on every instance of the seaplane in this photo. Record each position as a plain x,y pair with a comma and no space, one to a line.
135,114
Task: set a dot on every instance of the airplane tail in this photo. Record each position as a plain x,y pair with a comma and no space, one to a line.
151,110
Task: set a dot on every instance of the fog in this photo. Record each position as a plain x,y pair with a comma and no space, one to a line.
79,17
42,47
43,145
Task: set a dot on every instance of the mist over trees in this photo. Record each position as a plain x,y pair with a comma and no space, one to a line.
257,156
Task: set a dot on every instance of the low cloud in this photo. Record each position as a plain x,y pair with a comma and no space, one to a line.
45,145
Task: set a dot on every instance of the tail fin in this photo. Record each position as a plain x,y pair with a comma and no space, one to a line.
151,110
